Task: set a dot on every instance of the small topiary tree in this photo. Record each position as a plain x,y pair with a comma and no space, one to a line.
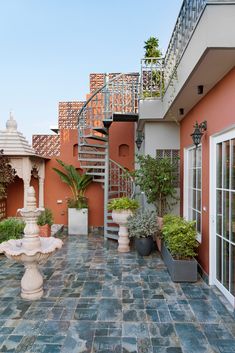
7,174
157,178
152,49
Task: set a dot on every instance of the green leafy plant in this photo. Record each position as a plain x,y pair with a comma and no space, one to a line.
46,217
180,237
152,49
77,182
11,228
7,174
142,225
157,177
123,203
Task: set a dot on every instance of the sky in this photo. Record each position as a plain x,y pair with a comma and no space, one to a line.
48,48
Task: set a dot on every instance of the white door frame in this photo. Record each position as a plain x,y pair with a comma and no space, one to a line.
224,135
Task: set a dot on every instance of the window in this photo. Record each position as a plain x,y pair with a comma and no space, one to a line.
193,187
174,156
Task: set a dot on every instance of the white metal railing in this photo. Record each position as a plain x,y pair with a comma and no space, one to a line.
152,83
157,74
189,15
120,180
118,95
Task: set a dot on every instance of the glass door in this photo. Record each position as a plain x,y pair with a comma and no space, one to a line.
225,217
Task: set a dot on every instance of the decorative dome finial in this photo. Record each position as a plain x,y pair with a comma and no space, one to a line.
11,124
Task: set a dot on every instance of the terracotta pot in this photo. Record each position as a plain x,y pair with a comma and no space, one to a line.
45,231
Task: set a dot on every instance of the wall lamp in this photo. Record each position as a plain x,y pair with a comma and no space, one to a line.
198,132
139,139
200,89
181,111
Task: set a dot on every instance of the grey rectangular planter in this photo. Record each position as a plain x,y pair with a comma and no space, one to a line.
180,270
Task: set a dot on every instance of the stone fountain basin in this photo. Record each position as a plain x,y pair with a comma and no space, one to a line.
14,249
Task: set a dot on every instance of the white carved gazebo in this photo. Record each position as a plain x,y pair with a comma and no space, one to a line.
23,158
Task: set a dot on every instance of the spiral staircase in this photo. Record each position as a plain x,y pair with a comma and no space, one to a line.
115,100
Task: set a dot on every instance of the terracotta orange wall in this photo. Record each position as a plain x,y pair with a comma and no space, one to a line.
56,190
218,108
120,133
15,195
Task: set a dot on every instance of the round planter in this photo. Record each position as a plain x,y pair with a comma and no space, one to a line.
144,246
120,217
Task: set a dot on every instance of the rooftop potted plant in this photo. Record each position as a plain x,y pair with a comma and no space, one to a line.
122,208
157,178
45,221
77,205
179,248
143,227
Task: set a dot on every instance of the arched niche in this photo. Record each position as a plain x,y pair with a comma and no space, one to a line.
123,150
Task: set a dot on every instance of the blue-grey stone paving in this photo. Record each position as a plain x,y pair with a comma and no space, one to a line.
100,301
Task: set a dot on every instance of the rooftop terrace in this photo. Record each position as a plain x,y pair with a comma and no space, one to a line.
99,300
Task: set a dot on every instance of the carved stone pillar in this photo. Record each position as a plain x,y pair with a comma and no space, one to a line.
26,186
41,192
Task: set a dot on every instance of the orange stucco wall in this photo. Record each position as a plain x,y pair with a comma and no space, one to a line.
218,108
15,195
57,193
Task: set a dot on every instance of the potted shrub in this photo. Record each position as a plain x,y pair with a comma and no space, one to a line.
11,228
77,205
45,221
122,208
157,178
143,227
179,248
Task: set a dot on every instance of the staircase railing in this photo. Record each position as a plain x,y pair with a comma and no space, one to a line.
120,180
118,97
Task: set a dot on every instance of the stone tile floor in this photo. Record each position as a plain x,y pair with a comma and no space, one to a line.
97,300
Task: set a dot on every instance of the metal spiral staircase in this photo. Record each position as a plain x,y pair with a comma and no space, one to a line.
116,100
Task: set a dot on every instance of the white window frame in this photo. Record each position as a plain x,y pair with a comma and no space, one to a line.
186,184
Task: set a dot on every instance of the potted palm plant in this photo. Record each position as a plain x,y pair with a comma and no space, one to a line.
122,208
179,248
143,227
77,205
157,178
45,221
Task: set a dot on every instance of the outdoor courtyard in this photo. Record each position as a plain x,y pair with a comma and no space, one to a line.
99,300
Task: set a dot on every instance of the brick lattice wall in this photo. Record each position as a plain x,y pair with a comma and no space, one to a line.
68,115
47,145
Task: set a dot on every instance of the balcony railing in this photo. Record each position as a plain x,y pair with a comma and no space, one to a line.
189,15
152,84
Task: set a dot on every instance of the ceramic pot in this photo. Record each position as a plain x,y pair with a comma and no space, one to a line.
144,246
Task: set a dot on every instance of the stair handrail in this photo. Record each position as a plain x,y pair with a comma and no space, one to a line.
102,87
128,175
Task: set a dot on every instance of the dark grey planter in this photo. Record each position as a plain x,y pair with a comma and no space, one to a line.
180,270
144,246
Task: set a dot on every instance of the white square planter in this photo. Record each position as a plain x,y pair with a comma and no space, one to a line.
78,221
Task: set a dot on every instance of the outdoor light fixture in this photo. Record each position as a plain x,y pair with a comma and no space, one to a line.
139,139
198,132
181,111
200,89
